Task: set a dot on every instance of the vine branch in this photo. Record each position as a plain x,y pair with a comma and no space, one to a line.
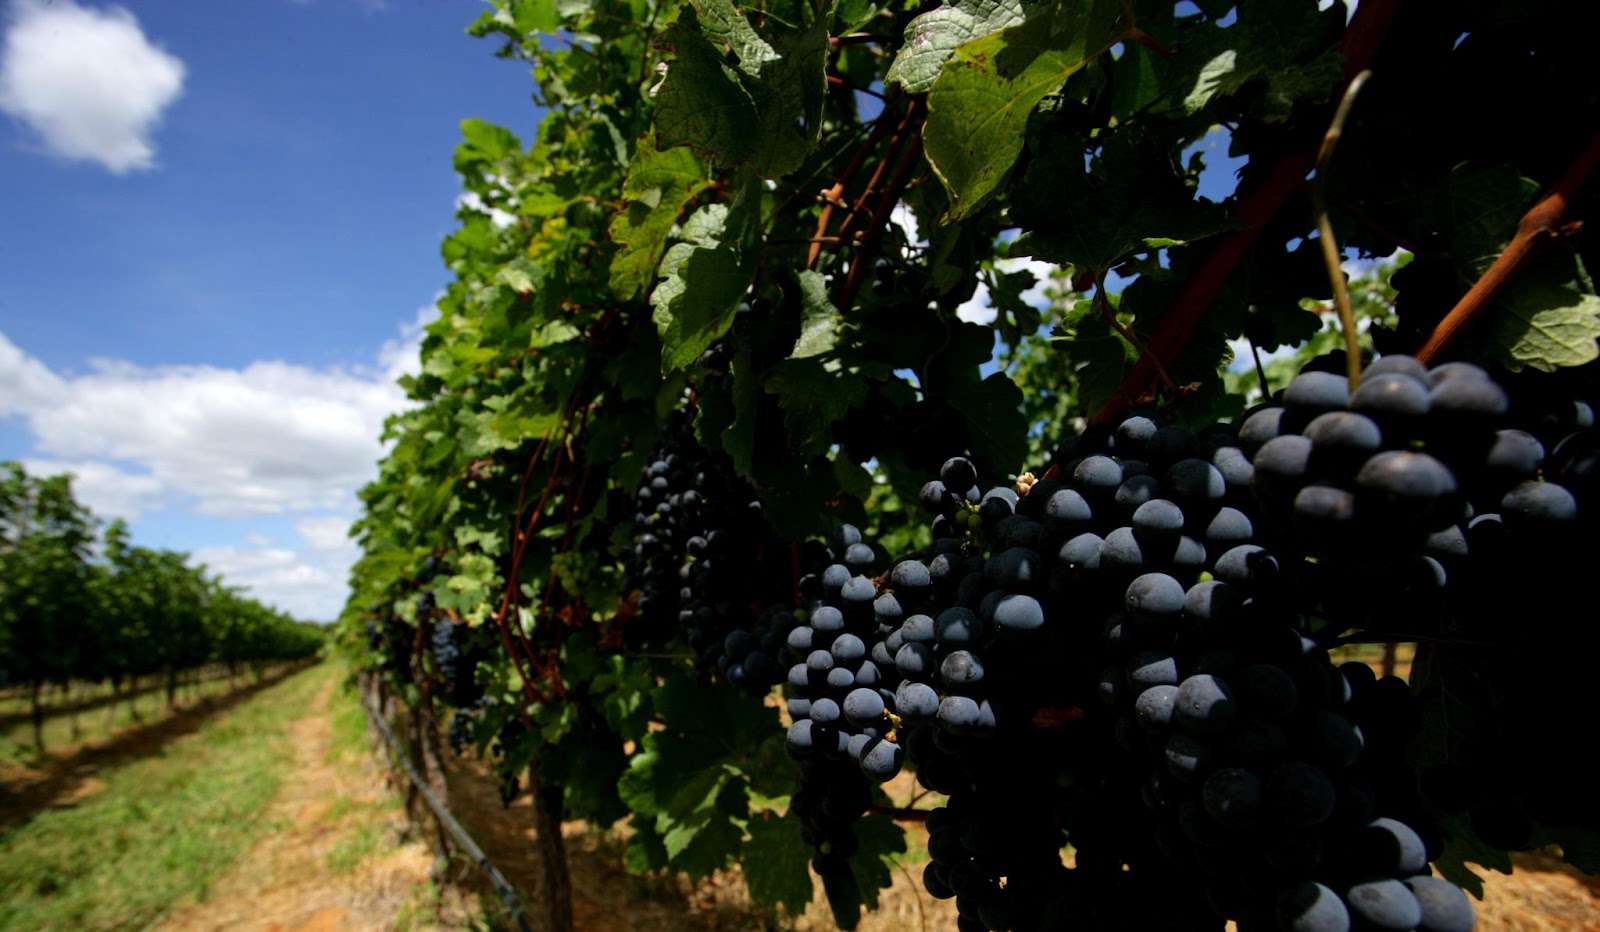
880,216
834,195
1543,224
1359,45
1325,237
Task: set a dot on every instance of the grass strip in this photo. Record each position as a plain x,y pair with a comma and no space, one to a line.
95,724
162,829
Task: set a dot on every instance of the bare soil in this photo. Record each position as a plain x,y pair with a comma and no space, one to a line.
308,874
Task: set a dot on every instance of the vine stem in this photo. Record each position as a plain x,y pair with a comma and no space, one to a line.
1126,332
1143,38
922,918
897,140
1261,371
837,81
1330,246
1543,224
835,195
522,536
880,217
500,619
1359,46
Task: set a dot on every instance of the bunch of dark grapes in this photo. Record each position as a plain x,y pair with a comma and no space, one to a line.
456,655
1130,655
753,656
659,544
463,721
839,700
392,639
697,563
840,688
513,730
1008,715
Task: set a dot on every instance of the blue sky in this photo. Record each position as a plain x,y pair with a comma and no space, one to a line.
222,227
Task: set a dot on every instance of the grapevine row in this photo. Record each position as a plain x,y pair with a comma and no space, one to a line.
712,512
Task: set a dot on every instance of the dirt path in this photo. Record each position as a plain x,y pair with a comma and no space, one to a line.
333,857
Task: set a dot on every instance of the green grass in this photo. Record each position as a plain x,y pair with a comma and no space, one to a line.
350,851
15,700
17,740
163,828
350,739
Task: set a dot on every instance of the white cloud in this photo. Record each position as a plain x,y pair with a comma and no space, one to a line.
471,200
327,534
979,308
280,576
87,81
269,439
104,489
309,580
401,356
25,382
903,217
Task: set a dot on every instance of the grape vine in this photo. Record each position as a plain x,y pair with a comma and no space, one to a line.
1084,571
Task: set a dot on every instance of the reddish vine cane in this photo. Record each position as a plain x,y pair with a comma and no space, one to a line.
1359,46
1542,225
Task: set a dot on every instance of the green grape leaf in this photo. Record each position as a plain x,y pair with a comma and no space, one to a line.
996,427
587,772
1131,200
646,851
765,110
724,24
692,780
483,142
636,371
815,392
851,15
1275,47
701,102
852,477
1462,846
1101,355
530,16
467,591
522,276
1138,81
932,38
708,837
1478,210
789,501
978,108
621,688
706,276
881,842
1544,324
820,321
660,185
739,440
777,863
